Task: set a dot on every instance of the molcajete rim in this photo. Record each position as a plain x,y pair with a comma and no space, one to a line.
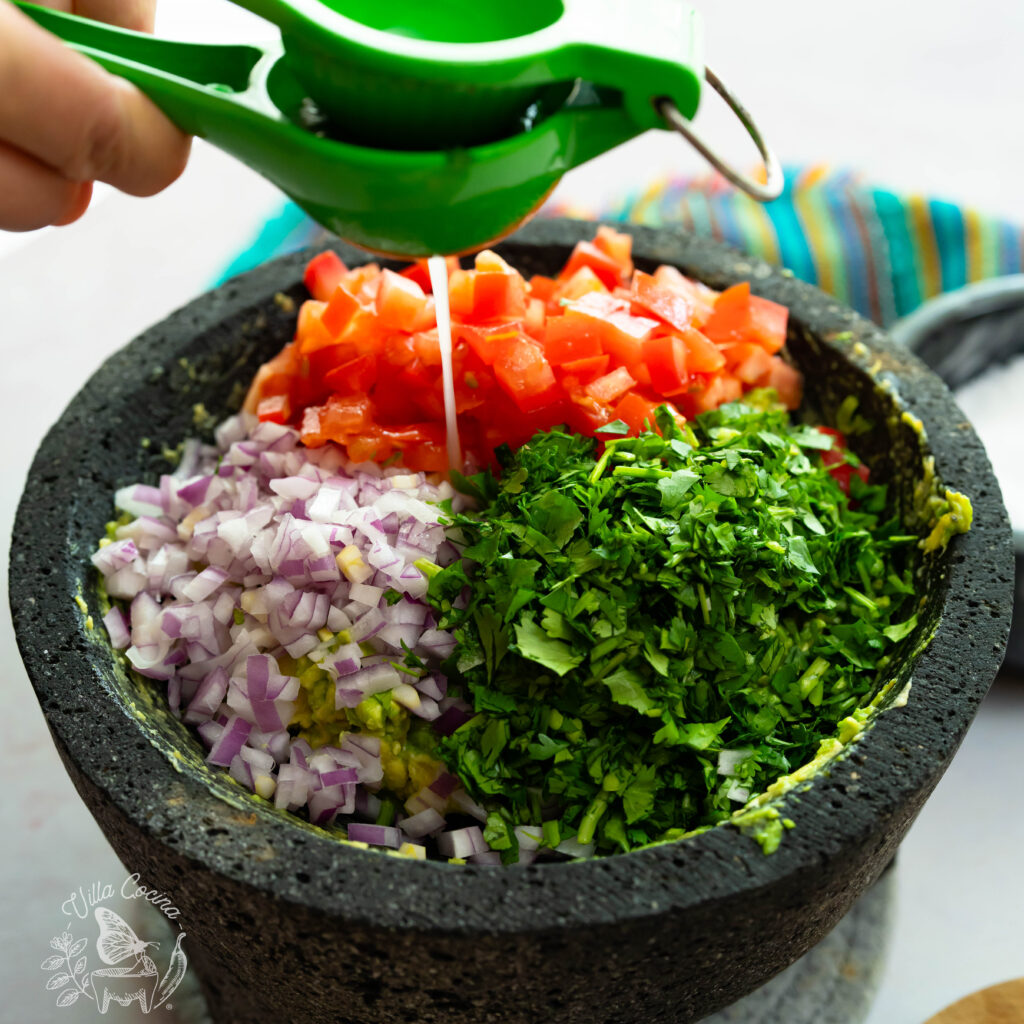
894,765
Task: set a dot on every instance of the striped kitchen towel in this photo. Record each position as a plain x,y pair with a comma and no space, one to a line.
877,251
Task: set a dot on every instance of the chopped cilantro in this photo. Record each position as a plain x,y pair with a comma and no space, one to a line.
638,610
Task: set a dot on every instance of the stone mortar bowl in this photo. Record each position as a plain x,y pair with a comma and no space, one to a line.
285,924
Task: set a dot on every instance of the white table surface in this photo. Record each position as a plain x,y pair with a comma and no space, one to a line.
918,97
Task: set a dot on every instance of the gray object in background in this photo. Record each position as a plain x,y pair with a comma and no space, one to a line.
961,335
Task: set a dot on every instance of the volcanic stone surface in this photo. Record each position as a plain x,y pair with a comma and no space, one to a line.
285,924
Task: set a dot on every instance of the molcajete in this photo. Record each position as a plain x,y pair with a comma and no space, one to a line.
285,924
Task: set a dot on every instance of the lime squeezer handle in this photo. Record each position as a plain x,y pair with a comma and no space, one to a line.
649,54
199,86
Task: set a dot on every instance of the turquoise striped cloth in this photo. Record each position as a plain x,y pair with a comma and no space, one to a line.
875,250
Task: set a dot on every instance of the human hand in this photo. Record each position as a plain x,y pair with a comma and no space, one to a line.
65,122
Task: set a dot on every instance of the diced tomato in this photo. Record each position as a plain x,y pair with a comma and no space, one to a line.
340,310
598,322
273,377
585,418
364,332
536,317
665,358
586,254
835,460
420,272
525,375
664,303
399,349
401,303
323,274
487,261
275,409
599,342
392,403
624,337
484,339
700,297
620,335
367,447
460,292
310,331
310,431
611,385
720,388
701,355
585,370
316,365
618,246
340,417
363,282
786,380
499,292
428,347
418,379
426,457
357,376
740,316
575,287
543,287
571,336
838,436
843,473
636,412
642,374
747,360
473,389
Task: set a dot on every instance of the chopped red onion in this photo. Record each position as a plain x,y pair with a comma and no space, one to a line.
424,798
367,804
208,697
366,682
491,857
367,624
229,742
437,642
465,803
450,719
117,628
375,835
434,686
363,593
419,825
445,784
246,554
115,555
463,842
427,709
571,848
140,500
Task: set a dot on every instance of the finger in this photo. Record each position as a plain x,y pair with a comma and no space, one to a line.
33,195
79,206
86,124
138,15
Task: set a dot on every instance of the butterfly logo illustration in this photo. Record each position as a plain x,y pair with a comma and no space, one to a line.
130,976
117,941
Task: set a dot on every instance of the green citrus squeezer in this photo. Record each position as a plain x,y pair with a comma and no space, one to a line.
415,127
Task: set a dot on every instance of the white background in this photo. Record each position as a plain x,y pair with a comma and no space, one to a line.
918,96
